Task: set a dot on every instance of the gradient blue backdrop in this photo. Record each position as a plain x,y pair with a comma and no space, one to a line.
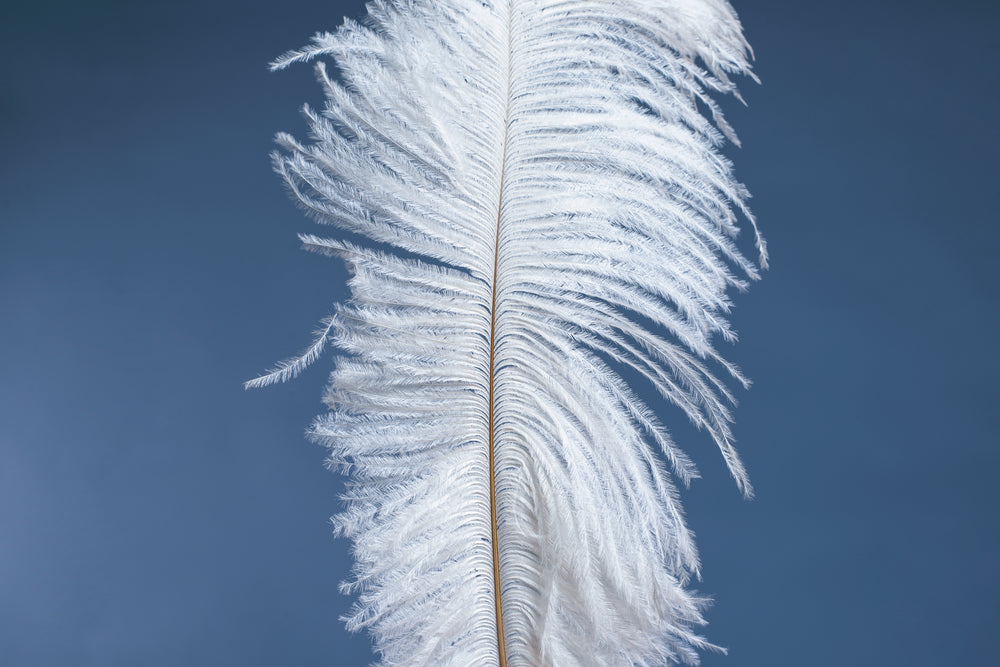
153,513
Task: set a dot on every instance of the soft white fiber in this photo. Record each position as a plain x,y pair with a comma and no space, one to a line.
531,182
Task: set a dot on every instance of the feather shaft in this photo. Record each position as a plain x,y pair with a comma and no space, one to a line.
497,589
491,401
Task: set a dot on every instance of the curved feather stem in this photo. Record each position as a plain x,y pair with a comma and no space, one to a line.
501,648
497,600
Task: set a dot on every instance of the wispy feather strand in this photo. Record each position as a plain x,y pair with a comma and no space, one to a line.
549,208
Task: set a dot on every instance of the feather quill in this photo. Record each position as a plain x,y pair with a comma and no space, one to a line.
536,206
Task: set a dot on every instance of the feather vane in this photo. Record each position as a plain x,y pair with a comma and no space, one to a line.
538,206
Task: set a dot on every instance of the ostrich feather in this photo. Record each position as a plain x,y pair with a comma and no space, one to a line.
536,209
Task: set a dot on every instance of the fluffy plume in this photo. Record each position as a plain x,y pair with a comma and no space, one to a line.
536,207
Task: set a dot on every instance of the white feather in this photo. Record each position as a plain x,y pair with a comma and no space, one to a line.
548,207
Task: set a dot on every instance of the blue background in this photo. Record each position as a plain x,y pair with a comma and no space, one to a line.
153,513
